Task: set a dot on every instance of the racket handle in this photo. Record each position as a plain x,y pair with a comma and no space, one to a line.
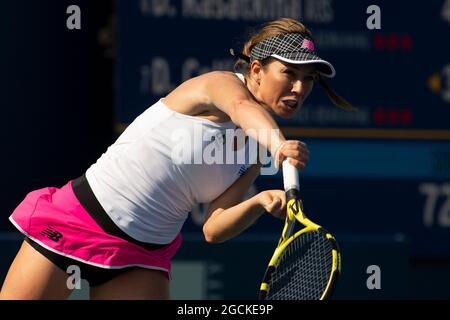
290,176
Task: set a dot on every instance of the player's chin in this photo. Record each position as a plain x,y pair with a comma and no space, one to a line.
287,113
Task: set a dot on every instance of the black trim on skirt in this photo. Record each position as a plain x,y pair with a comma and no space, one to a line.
86,197
96,276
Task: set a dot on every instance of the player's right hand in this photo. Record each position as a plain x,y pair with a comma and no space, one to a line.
296,150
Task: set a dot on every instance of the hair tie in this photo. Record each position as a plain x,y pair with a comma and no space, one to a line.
239,55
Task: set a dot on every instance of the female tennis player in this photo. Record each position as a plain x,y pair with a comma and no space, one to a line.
120,222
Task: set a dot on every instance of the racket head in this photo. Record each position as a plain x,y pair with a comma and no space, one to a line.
305,267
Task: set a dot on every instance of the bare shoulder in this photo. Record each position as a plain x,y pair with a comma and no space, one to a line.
195,96
222,75
223,84
203,83
224,91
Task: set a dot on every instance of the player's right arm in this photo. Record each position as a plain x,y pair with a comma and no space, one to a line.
223,95
227,93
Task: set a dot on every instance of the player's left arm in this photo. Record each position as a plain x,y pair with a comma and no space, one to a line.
227,216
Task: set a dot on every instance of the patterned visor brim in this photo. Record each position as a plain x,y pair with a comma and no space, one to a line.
292,48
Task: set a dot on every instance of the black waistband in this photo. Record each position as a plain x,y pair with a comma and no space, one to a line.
85,195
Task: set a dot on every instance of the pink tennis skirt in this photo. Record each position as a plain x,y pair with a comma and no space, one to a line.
55,219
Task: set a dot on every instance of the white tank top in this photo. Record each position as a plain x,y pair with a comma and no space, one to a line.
144,191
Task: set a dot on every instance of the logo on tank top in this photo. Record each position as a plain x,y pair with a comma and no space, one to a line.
52,234
243,169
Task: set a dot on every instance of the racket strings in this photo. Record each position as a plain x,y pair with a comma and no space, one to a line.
303,270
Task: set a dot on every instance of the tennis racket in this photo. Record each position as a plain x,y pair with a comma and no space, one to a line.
306,263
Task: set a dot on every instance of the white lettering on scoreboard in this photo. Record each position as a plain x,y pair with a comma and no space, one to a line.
311,11
155,78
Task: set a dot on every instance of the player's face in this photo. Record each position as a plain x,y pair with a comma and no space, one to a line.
283,87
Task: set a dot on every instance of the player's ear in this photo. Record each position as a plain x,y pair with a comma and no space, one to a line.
256,70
